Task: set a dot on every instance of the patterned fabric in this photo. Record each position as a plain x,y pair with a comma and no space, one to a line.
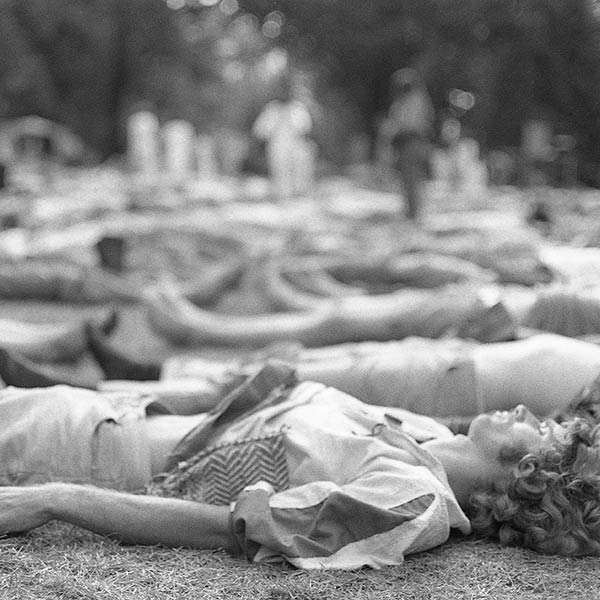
218,474
319,479
269,386
315,477
362,491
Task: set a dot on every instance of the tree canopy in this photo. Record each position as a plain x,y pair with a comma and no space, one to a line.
85,63
520,58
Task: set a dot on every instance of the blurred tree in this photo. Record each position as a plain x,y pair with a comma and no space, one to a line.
359,45
86,63
25,84
520,58
523,59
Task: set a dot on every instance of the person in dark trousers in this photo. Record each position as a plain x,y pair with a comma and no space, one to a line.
407,128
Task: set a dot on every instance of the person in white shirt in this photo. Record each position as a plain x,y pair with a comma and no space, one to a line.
284,124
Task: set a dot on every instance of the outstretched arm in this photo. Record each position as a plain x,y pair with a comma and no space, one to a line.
129,518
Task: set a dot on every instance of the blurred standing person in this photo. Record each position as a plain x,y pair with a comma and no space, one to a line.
407,128
284,124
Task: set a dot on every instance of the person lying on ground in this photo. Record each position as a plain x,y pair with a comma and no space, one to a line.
439,378
61,341
482,313
293,470
63,281
453,310
451,380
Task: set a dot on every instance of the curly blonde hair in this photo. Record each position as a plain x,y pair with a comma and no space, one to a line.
552,502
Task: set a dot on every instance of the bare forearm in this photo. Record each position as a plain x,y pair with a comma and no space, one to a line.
144,519
138,519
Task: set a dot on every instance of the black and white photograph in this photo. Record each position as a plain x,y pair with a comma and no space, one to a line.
299,299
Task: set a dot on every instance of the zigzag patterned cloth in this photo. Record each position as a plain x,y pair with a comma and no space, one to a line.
218,474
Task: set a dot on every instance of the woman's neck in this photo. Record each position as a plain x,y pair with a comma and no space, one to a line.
465,468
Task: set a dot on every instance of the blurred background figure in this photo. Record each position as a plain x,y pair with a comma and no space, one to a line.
143,152
283,125
408,127
178,138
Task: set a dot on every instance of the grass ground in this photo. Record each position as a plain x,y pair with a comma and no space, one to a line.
64,562
60,561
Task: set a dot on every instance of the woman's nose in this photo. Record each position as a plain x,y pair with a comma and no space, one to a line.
521,412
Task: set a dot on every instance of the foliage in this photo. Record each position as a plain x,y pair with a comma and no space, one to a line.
86,63
521,58
60,561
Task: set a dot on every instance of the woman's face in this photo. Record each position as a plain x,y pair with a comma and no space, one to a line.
497,434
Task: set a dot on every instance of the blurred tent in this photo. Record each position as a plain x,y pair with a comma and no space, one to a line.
35,137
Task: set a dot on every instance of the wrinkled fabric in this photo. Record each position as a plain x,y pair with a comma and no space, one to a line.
362,492
73,435
266,387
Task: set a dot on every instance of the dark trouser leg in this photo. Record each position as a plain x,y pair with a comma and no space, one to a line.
116,365
19,371
410,164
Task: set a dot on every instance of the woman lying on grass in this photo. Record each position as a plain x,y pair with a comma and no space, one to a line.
439,378
449,378
295,471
